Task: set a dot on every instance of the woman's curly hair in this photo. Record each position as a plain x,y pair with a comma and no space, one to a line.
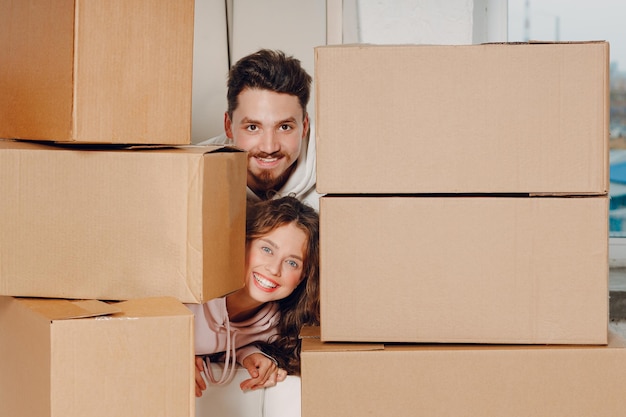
302,306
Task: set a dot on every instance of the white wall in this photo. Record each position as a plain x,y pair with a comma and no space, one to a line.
421,22
210,67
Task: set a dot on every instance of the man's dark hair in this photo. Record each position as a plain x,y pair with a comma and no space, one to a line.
271,70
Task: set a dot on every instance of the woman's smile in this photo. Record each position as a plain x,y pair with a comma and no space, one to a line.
264,283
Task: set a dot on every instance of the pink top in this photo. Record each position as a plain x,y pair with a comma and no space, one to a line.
214,333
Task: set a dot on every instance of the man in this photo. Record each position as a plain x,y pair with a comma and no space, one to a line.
268,92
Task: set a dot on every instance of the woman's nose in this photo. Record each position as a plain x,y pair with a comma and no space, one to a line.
273,267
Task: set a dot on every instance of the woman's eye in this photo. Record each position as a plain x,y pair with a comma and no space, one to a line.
266,249
292,264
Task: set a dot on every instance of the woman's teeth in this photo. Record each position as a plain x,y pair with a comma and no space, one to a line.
264,282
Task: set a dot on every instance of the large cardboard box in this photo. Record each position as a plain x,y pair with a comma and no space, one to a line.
492,118
464,269
352,380
90,359
116,71
116,224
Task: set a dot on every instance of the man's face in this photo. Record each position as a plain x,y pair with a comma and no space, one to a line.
271,127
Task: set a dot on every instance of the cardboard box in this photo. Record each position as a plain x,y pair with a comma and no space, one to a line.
352,380
493,118
464,269
118,71
85,359
116,224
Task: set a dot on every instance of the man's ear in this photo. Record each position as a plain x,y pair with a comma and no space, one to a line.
228,126
305,126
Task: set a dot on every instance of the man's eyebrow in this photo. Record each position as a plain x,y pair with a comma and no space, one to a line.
247,120
275,246
287,120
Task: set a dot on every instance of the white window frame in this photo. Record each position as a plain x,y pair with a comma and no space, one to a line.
617,252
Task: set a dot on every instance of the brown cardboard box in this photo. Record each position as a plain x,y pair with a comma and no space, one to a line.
464,269
66,359
352,380
117,71
118,224
493,118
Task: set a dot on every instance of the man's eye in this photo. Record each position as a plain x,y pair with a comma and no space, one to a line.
285,127
252,128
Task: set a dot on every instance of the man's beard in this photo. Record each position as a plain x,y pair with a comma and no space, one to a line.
266,181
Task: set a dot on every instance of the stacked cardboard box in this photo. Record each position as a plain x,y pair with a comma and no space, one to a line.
464,241
116,224
110,220
88,358
116,71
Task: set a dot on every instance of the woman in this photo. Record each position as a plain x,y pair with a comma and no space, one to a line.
258,325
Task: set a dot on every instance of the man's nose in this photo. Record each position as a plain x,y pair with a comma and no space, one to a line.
269,142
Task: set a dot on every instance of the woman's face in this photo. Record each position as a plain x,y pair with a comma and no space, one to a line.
274,263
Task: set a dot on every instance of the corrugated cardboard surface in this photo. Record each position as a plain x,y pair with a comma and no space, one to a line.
491,118
118,71
448,380
138,362
464,269
121,224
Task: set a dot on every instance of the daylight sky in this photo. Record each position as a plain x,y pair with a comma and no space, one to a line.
577,20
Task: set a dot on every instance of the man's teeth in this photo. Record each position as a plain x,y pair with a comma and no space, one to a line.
267,159
264,282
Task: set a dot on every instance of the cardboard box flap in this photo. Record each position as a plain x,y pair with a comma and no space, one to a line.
59,309
529,42
190,149
200,149
539,42
222,148
308,332
311,342
316,345
152,307
78,146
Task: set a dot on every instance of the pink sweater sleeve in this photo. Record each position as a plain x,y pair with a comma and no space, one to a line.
246,351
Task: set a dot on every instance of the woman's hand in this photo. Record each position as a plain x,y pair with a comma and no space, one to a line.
263,371
200,382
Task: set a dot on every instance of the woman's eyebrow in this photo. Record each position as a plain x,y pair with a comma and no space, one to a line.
270,242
